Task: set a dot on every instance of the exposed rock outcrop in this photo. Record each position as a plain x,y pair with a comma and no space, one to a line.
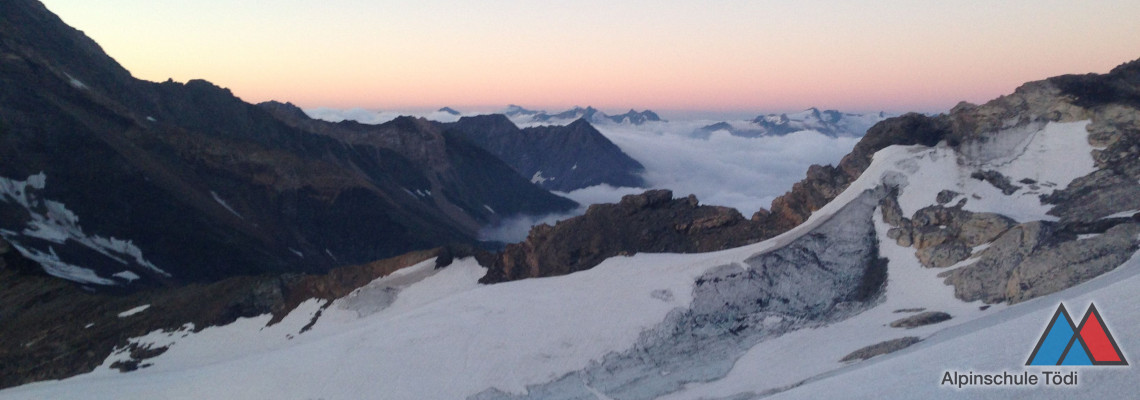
1038,258
998,180
922,319
649,222
942,236
878,349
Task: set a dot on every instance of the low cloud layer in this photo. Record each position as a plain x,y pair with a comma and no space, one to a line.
743,173
516,228
375,117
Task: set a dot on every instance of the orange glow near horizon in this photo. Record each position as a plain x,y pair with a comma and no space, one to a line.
757,56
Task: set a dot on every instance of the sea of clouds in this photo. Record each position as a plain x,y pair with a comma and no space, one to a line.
374,117
720,169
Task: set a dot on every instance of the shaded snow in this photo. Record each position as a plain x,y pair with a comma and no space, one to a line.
126,275
1123,214
58,268
134,311
224,204
537,178
75,82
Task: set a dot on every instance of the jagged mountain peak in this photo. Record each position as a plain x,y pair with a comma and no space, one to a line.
490,120
590,113
286,108
516,110
828,122
555,157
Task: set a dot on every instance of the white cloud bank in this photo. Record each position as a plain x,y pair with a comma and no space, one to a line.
376,117
743,173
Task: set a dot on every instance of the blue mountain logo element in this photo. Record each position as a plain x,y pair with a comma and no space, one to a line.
1064,343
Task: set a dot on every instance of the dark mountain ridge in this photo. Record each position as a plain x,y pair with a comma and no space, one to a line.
167,183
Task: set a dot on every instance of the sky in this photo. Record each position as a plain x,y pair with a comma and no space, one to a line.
732,55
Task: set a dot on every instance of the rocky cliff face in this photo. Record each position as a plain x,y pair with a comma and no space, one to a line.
562,158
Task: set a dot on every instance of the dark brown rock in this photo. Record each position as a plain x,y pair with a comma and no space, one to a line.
649,222
997,180
945,196
923,319
886,347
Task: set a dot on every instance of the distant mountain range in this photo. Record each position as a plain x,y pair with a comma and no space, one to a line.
590,114
828,122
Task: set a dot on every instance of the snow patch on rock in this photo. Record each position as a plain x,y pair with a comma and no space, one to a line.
134,311
52,222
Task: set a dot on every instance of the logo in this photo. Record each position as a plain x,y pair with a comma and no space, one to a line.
1064,343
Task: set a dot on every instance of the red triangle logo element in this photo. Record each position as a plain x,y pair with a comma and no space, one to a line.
1099,342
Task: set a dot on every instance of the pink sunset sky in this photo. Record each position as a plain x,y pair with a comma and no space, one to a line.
748,56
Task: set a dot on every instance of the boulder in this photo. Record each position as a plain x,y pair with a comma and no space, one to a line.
923,319
885,347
